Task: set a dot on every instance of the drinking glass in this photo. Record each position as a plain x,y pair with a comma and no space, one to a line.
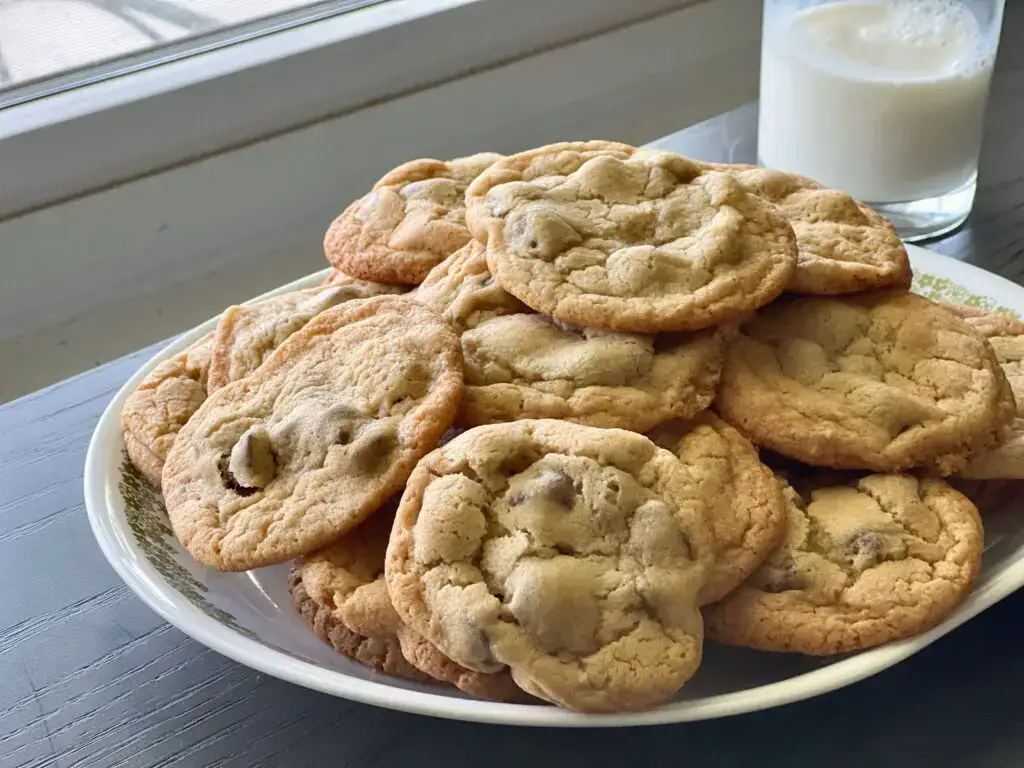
883,99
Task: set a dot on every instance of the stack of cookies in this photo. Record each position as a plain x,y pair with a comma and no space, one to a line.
557,417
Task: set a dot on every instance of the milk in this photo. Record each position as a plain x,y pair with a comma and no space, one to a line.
880,98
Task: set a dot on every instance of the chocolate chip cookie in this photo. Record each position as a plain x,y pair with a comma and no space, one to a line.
247,334
883,381
864,563
569,554
155,412
1005,460
638,241
340,592
285,461
842,246
747,511
519,364
409,222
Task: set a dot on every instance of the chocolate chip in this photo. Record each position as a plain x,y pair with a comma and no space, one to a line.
610,495
229,481
557,487
783,579
866,548
550,485
252,463
450,434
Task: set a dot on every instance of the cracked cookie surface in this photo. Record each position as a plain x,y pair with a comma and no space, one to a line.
412,219
864,563
745,504
283,462
247,334
569,554
1005,460
883,381
340,592
164,401
519,364
843,246
639,241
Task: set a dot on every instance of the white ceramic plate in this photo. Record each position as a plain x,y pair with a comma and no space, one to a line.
249,616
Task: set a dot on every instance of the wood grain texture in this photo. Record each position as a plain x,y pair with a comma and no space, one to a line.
89,676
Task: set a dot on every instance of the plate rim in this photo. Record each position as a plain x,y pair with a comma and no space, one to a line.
136,571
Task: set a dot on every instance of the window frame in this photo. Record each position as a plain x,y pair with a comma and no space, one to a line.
89,137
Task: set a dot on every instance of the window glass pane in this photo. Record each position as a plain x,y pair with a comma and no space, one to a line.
51,45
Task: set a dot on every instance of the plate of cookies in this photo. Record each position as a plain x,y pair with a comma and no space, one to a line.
589,435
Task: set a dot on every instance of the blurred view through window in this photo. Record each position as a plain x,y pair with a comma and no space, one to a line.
51,45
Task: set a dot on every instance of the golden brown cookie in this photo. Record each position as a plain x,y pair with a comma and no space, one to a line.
864,563
247,334
281,463
412,219
746,509
843,246
883,381
569,554
379,654
1005,460
340,592
425,657
639,241
349,608
153,414
519,364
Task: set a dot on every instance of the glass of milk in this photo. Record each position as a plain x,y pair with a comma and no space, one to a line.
883,99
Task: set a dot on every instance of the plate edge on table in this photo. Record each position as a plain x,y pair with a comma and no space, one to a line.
135,569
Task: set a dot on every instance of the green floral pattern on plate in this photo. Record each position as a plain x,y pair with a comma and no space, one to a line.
944,289
147,517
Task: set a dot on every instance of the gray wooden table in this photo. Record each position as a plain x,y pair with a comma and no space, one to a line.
89,676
